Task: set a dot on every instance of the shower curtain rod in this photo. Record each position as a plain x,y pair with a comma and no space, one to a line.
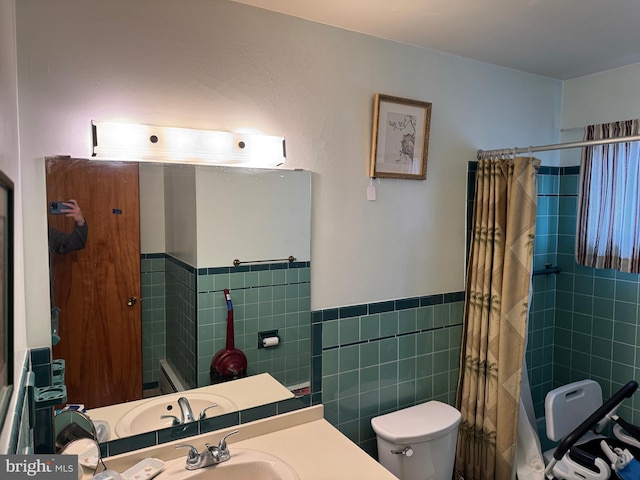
557,146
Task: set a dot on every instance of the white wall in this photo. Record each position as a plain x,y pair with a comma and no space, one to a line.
599,98
219,65
252,214
181,235
151,208
10,165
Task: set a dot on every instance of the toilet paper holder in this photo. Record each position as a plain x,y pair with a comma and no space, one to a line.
268,339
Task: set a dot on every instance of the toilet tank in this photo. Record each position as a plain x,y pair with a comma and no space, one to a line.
430,430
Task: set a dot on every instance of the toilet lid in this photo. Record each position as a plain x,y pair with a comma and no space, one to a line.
419,423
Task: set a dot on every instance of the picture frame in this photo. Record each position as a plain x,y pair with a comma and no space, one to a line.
6,294
400,139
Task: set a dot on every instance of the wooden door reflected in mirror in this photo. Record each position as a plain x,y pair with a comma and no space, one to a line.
99,328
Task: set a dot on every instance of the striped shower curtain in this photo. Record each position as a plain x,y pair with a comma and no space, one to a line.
495,318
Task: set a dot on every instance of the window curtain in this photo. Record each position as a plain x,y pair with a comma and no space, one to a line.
495,318
608,229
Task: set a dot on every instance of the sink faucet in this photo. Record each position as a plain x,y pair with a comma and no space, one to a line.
212,455
187,413
185,410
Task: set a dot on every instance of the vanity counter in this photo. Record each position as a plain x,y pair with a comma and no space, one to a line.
245,393
304,439
317,450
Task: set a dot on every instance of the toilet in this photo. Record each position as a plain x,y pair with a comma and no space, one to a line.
419,442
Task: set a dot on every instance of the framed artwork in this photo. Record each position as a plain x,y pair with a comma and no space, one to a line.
400,141
6,294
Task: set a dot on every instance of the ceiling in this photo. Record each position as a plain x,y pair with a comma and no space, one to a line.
561,39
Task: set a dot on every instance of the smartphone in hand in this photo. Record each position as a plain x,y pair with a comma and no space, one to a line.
55,208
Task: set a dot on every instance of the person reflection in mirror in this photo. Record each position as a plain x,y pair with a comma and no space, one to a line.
65,242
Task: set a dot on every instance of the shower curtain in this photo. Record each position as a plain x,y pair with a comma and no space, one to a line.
496,308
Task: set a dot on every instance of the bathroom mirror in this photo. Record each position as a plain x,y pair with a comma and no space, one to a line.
193,222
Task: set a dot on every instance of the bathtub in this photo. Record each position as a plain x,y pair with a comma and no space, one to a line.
170,381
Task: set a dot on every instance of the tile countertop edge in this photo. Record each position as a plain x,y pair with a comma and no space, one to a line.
304,439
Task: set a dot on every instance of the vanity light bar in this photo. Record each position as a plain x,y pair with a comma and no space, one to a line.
123,141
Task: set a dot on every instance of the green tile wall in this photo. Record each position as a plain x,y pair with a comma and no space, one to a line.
181,320
265,297
152,267
380,357
596,333
592,313
539,355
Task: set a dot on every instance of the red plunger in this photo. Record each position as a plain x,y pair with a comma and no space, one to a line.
228,363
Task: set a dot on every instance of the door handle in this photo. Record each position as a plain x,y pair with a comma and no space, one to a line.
131,301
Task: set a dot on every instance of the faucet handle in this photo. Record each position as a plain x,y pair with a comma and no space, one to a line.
193,451
174,422
203,413
222,446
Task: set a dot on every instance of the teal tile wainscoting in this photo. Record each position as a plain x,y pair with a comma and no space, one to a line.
181,320
30,422
153,305
376,358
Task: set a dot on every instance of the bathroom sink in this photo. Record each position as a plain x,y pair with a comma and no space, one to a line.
245,464
146,416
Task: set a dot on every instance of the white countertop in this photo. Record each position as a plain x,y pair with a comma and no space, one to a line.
318,451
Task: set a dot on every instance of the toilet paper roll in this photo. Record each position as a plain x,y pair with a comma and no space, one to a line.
270,342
